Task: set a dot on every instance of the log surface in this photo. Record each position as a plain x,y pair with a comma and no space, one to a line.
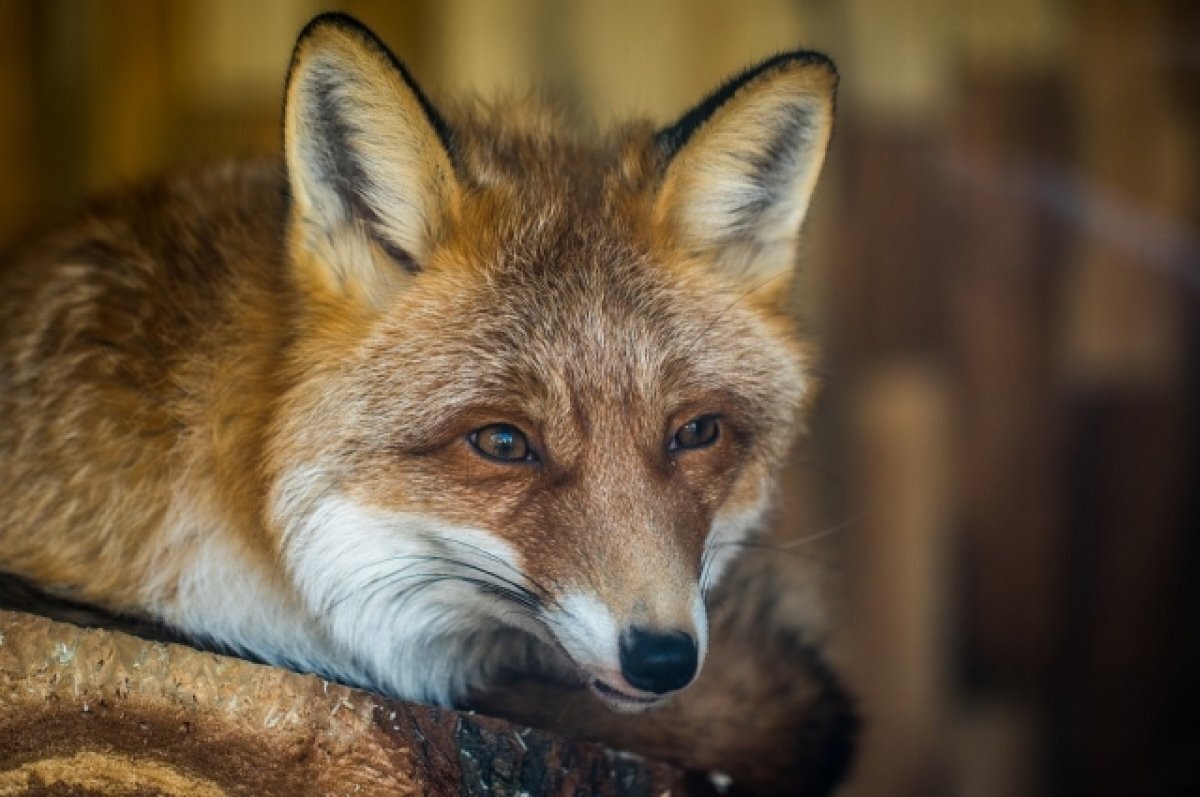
94,712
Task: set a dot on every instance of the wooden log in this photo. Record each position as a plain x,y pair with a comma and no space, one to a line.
103,713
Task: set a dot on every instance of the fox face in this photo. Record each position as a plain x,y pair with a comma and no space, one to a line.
533,383
458,391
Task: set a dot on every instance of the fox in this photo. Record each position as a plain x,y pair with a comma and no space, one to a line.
455,403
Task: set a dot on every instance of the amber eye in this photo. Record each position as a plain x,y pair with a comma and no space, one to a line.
696,433
502,442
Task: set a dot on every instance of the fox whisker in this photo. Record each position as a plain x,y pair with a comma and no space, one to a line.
788,547
545,594
487,580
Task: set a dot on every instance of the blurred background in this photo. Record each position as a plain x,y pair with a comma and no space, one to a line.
1003,262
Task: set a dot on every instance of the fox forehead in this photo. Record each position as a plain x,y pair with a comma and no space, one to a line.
546,330
553,292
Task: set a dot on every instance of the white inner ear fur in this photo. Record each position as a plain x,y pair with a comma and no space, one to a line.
740,188
361,151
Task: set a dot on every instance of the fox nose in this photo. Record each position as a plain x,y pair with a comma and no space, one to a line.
658,662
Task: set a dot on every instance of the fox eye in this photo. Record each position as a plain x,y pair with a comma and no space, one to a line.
502,442
696,433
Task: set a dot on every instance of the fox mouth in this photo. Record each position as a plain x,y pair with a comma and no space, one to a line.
623,701
616,699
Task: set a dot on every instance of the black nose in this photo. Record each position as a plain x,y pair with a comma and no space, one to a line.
658,662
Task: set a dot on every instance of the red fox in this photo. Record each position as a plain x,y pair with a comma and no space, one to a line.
447,395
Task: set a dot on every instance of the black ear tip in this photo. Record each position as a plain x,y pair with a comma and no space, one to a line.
808,58
810,61
343,23
337,20
331,20
366,38
672,138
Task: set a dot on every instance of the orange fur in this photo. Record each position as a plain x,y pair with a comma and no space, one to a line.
212,357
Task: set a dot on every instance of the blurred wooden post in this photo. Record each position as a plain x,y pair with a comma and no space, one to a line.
900,586
16,122
1010,132
1132,293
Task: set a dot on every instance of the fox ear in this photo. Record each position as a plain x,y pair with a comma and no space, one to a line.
372,183
741,167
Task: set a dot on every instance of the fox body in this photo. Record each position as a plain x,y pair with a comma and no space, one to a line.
445,392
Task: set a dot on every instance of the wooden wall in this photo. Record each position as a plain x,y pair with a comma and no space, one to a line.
1004,263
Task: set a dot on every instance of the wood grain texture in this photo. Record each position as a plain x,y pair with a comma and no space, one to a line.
103,713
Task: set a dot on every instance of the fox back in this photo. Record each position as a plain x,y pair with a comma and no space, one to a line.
449,389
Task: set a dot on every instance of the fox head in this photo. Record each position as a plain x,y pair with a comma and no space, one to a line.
534,381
